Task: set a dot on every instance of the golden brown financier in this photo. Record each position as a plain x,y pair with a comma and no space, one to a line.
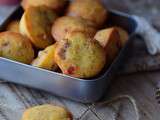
46,112
36,24
67,24
80,56
16,47
45,58
109,39
92,10
13,26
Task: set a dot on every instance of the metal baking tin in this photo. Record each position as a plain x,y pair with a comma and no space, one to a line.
82,90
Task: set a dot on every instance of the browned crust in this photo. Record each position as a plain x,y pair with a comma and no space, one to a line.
97,18
57,5
19,39
74,68
59,32
70,116
39,41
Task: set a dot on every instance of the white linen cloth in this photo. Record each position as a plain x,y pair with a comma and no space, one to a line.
151,35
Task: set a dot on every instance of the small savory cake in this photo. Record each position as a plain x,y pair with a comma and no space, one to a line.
67,24
13,26
123,36
45,58
92,10
80,56
46,112
109,39
16,47
36,24
56,5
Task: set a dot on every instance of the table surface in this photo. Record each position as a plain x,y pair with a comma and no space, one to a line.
141,85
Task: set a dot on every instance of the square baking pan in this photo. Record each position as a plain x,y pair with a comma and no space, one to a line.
82,90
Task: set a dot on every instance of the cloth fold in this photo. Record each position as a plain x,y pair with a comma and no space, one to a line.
122,107
151,35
